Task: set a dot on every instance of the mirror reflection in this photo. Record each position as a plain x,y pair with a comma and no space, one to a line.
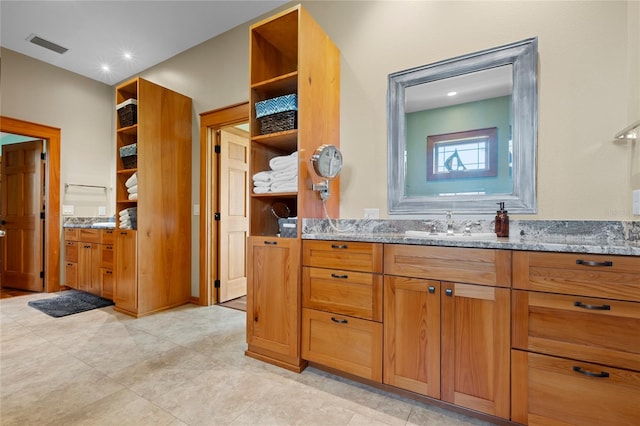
462,133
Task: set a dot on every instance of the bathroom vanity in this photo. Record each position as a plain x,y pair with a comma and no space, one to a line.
520,330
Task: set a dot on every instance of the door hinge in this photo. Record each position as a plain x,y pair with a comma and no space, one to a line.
41,215
43,156
42,274
216,284
217,149
216,216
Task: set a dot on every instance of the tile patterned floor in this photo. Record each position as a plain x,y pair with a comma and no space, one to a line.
181,367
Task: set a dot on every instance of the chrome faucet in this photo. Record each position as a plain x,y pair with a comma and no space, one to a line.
467,227
449,222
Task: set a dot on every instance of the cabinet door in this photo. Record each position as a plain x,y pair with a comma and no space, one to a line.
84,266
412,334
126,289
273,299
476,347
106,283
94,281
71,274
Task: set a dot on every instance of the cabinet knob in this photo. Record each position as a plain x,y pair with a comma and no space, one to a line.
448,292
432,289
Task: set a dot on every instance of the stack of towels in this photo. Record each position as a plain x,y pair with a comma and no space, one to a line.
128,218
132,186
283,176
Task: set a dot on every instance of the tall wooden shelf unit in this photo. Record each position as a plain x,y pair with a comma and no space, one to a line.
289,54
153,263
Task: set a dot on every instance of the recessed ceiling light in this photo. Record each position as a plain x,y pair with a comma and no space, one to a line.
127,55
452,93
105,68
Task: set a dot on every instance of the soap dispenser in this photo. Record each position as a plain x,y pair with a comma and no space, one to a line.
502,221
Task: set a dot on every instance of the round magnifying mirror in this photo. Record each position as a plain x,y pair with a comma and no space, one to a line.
327,161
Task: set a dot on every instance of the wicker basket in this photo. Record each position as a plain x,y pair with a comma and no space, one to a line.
130,161
128,113
278,122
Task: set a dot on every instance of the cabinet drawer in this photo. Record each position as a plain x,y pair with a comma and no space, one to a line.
89,235
594,330
71,234
106,256
570,392
71,274
348,344
364,257
71,251
357,294
468,265
107,236
615,277
106,283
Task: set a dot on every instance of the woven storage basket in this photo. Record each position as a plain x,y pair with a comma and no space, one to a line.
277,114
128,112
129,155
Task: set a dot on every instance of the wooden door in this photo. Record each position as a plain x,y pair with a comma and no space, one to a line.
476,347
234,214
412,334
273,300
126,283
21,207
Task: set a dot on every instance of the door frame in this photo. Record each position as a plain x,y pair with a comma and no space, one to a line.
211,121
52,232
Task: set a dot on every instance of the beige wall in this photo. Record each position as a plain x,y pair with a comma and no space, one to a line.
82,108
589,89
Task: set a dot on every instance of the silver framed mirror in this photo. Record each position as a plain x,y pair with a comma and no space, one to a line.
437,157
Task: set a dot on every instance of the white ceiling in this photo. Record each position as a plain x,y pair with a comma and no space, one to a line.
98,32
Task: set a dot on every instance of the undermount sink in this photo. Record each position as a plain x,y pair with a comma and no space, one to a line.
103,225
486,236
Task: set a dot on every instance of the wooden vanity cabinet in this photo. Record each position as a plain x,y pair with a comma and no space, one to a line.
449,339
87,267
576,339
273,301
342,306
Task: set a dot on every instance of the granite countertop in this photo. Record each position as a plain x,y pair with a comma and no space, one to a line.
595,237
89,222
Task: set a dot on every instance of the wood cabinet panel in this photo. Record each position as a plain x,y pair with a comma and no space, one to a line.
351,293
412,334
71,234
106,256
352,256
475,266
108,237
606,276
125,293
594,330
273,300
106,283
71,274
348,344
71,251
89,235
568,392
476,347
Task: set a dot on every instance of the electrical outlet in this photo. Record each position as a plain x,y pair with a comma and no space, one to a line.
196,209
372,213
67,210
102,211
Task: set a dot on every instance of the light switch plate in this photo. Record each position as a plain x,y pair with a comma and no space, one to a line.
102,211
636,202
67,209
196,209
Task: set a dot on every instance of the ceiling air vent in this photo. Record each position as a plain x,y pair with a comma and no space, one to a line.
46,44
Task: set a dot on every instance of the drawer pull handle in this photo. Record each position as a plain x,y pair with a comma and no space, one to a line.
108,272
592,263
271,243
339,246
339,321
87,246
341,277
123,233
448,292
432,289
594,307
602,374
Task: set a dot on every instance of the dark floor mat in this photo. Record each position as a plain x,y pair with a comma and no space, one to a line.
69,302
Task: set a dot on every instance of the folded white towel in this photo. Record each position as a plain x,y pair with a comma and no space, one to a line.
133,180
261,183
261,189
288,173
262,176
285,186
125,223
282,162
123,213
133,196
133,189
